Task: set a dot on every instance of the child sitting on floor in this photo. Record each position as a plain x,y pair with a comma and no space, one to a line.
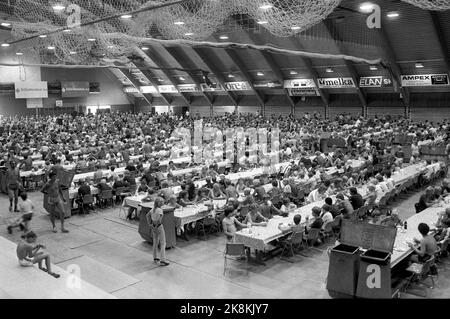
26,209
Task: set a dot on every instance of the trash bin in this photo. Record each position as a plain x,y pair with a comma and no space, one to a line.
374,280
344,263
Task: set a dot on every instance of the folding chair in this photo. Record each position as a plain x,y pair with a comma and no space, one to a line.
295,240
207,225
105,197
234,251
311,238
88,200
421,271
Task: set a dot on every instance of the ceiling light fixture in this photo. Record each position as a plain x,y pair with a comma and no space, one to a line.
260,74
126,16
293,72
5,24
178,23
223,37
230,75
5,45
329,70
58,7
182,78
373,68
262,22
392,14
188,34
72,52
43,36
266,6
19,53
91,40
366,7
419,65
51,47
145,48
295,27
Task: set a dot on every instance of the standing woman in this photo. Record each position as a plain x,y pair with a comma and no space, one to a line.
154,219
56,200
13,184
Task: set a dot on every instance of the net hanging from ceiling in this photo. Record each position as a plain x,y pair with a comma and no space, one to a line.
192,20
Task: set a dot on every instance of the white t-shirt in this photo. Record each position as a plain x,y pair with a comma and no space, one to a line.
26,206
327,218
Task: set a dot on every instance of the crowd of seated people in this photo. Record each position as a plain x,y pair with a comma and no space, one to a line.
107,141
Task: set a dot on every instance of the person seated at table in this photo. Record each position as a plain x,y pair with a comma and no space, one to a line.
344,205
326,216
355,198
98,174
27,164
240,186
317,194
445,186
229,223
143,187
371,197
329,206
230,190
203,195
295,227
275,190
208,182
259,190
102,187
183,199
287,190
112,173
254,217
172,202
118,183
83,190
426,200
216,192
444,219
166,192
427,244
316,224
287,206
129,180
267,209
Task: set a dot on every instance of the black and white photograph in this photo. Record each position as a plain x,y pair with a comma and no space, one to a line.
225,157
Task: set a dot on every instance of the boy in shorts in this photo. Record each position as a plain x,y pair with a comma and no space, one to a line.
26,208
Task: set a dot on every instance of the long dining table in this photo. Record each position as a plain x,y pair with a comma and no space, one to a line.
258,237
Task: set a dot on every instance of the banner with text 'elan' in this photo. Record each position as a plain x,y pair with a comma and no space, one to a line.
31,89
74,89
374,82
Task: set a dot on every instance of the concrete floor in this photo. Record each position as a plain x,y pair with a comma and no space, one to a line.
112,256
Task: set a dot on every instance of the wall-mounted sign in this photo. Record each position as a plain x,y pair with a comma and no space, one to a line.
374,82
59,103
35,104
237,86
425,80
211,88
130,89
74,89
147,89
299,83
303,92
167,89
187,88
31,89
263,85
335,83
